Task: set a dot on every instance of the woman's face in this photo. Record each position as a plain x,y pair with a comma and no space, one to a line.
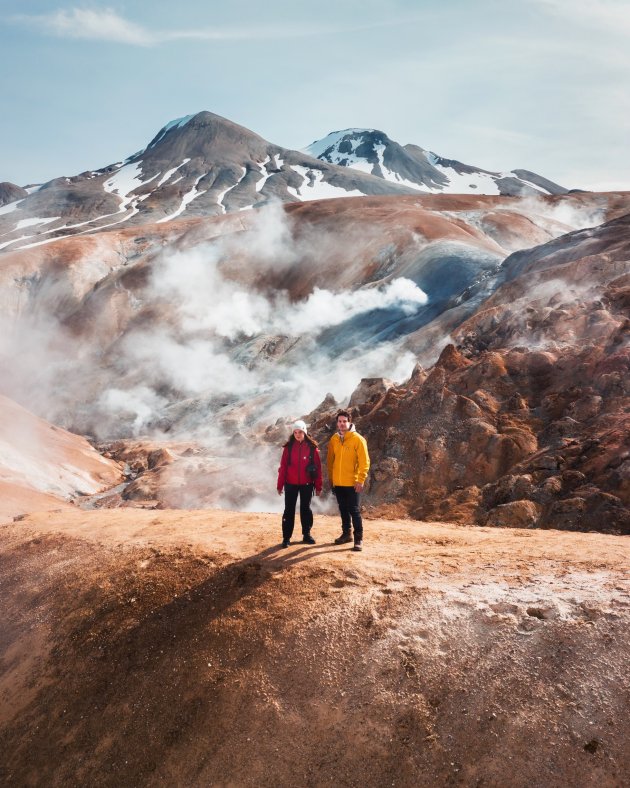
298,435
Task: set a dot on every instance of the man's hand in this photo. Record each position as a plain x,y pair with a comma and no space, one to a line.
318,493
279,492
358,487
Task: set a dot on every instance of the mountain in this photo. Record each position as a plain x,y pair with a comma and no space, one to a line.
200,165
373,152
205,165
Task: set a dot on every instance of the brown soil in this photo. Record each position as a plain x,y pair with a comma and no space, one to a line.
184,648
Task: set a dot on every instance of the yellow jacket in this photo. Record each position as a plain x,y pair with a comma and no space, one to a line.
348,461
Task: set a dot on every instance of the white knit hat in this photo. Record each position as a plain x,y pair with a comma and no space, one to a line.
299,425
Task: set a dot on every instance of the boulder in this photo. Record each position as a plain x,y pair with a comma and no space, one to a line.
369,390
515,514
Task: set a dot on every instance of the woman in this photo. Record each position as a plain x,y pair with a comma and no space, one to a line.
300,470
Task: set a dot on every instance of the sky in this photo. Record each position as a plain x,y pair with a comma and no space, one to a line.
499,84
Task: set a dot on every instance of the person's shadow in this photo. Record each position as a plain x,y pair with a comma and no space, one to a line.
219,593
289,556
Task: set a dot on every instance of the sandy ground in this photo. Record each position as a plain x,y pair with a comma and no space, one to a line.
186,648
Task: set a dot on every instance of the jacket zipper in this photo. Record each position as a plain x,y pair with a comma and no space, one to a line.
299,448
299,460
342,442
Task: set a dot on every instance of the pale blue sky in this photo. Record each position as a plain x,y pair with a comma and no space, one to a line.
502,84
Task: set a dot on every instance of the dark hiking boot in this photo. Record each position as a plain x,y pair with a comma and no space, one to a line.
308,539
358,546
285,543
343,539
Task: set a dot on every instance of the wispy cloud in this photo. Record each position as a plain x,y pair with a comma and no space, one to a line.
610,15
103,25
106,24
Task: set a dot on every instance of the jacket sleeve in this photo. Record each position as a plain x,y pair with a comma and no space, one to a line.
330,459
363,460
318,477
282,470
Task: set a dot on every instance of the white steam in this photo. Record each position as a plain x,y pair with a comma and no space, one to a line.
323,309
221,355
565,216
206,302
138,404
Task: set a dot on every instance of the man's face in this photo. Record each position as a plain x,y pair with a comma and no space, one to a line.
342,424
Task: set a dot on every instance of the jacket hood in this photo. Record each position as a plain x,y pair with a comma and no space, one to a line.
351,428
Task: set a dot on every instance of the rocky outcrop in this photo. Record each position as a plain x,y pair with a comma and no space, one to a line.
509,434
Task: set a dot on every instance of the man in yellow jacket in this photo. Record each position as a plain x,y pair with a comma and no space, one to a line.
348,466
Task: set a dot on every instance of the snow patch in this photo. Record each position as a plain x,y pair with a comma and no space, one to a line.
10,207
316,148
15,240
173,124
466,183
30,222
168,174
266,175
186,199
229,189
314,187
123,182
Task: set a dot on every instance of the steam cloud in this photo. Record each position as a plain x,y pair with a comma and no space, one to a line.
211,350
227,356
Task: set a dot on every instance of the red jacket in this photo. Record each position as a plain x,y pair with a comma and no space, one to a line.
293,470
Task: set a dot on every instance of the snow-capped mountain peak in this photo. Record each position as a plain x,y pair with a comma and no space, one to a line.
373,152
177,123
329,146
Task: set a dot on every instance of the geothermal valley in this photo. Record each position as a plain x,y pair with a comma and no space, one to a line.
164,321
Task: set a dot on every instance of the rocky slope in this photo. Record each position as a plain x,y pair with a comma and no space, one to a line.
9,193
43,466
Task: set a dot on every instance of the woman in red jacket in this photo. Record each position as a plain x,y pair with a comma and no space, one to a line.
300,471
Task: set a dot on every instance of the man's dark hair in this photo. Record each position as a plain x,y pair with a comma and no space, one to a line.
345,413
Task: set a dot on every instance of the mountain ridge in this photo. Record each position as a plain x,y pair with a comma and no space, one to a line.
207,165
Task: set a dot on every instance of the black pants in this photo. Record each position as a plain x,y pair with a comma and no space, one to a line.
348,500
291,492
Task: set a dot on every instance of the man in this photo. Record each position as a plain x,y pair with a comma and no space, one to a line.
348,466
